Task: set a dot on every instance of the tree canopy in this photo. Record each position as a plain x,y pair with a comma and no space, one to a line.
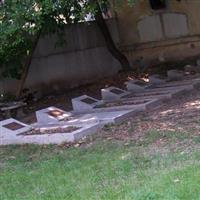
23,22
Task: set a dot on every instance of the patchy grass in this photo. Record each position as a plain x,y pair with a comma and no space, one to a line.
103,169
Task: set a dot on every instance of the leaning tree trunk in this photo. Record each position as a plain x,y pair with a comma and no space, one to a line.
27,66
115,52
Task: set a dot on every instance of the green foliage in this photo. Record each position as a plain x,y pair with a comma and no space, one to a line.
22,21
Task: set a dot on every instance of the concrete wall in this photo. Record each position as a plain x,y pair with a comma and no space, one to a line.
83,59
155,35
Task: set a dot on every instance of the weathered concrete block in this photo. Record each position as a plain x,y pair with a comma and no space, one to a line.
51,114
84,103
113,93
136,85
174,75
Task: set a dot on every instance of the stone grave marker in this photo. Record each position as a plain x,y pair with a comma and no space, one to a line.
136,85
84,103
12,127
113,93
51,114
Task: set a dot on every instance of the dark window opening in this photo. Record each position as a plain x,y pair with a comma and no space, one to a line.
158,4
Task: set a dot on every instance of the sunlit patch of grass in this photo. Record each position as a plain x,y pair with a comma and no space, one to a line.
105,170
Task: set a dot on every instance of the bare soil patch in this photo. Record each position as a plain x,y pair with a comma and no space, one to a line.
178,115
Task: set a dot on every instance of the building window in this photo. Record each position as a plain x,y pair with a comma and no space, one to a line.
157,4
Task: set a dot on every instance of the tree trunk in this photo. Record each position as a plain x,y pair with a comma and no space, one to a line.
27,67
115,52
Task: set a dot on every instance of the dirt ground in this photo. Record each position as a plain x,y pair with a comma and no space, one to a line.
177,115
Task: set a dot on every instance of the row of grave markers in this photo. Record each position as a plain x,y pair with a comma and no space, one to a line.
90,114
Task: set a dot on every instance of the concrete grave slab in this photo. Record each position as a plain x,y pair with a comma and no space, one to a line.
174,75
163,93
84,103
156,79
53,138
136,85
10,128
51,114
13,126
122,105
113,93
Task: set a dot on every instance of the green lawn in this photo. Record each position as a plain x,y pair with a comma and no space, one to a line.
106,169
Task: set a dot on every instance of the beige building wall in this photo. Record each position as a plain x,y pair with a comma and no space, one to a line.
159,35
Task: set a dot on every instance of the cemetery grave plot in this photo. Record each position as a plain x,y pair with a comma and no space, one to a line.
84,103
57,134
14,132
58,130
